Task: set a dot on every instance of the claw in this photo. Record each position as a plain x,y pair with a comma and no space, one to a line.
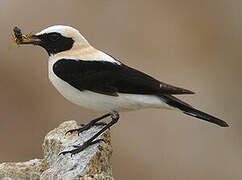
79,130
75,146
81,148
85,127
64,153
71,131
100,124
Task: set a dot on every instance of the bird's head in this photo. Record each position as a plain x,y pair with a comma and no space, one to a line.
56,39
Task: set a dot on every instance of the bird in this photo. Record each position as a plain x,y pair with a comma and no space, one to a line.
93,79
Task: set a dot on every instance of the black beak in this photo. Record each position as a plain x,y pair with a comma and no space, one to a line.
33,39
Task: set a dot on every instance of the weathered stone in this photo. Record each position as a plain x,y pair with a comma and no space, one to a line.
91,164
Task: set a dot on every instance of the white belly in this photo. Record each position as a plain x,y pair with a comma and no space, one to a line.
101,102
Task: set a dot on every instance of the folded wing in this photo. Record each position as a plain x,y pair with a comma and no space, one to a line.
110,78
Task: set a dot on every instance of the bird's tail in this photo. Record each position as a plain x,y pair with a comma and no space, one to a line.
189,110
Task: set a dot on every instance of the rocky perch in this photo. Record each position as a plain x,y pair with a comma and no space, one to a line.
91,164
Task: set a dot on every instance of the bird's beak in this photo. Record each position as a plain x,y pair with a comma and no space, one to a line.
33,39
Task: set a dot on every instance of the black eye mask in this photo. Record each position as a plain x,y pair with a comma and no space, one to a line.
54,42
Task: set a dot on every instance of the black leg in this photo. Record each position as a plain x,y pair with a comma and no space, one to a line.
93,122
91,141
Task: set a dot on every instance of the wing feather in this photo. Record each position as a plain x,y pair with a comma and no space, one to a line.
110,78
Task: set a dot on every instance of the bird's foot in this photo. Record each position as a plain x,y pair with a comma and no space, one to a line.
85,127
82,147
91,141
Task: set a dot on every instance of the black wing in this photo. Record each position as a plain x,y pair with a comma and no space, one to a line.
110,78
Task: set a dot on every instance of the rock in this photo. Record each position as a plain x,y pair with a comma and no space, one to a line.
22,170
94,163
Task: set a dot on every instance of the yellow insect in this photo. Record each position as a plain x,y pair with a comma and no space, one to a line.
18,37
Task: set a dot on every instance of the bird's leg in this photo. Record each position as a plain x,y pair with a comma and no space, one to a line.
96,124
93,122
91,141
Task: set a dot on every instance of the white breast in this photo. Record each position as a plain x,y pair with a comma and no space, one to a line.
101,102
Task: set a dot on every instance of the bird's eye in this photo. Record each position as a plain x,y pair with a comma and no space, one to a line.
53,37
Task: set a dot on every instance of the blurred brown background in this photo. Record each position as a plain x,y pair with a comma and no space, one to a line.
192,44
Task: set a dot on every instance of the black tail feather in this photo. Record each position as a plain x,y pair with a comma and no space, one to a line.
204,116
189,110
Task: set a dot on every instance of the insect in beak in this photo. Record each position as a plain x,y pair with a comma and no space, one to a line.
19,38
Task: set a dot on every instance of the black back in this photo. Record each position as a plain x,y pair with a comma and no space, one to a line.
110,78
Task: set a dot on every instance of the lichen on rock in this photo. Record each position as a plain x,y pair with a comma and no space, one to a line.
92,163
